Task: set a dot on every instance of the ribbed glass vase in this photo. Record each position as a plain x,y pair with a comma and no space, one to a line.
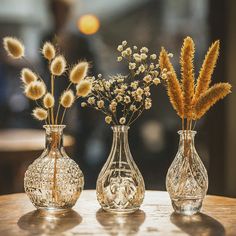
187,180
120,185
54,181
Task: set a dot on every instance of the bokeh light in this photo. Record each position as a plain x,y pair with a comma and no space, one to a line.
88,24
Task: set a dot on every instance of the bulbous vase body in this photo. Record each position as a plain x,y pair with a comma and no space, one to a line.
54,181
120,185
187,180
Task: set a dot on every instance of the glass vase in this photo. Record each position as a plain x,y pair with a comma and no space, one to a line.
54,181
120,185
187,179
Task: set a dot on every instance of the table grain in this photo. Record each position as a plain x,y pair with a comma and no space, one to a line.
155,217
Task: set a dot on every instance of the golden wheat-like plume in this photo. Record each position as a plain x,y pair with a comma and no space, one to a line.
83,88
209,63
173,86
187,74
14,47
210,97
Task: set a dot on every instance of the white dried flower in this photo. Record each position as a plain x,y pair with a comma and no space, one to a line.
164,76
133,108
119,59
152,67
139,91
122,120
127,99
120,48
124,53
135,47
132,66
100,104
153,56
119,98
170,55
144,50
141,68
83,104
156,81
128,51
124,43
147,79
134,84
137,57
108,119
91,100
143,56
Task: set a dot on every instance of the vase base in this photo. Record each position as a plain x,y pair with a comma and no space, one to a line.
53,211
187,206
120,211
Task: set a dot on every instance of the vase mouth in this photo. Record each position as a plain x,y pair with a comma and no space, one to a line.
120,127
189,132
54,127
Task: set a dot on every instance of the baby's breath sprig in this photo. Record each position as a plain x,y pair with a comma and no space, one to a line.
35,87
122,99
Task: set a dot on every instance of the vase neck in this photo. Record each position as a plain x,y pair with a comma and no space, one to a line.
54,137
186,141
120,141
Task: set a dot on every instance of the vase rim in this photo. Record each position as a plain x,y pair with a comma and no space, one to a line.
120,127
54,126
185,131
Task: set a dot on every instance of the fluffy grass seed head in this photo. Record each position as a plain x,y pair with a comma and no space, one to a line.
28,76
79,72
174,89
187,74
210,97
48,51
67,98
48,100
83,88
35,90
58,65
40,113
14,47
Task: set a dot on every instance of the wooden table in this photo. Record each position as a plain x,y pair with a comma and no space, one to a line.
19,217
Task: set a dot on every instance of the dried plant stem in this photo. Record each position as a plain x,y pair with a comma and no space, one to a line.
52,92
58,110
63,115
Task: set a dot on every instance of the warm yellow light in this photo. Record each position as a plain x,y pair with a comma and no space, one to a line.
88,24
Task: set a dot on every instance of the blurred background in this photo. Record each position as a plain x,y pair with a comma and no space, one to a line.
91,30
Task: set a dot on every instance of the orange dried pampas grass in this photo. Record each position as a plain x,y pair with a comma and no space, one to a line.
195,100
210,97
173,86
204,78
187,74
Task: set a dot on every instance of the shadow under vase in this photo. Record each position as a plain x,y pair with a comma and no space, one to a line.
198,224
40,222
121,224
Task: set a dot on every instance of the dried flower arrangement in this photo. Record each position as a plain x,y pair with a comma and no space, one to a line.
35,87
123,98
192,100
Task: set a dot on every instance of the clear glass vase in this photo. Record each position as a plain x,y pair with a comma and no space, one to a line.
120,185
54,181
187,179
